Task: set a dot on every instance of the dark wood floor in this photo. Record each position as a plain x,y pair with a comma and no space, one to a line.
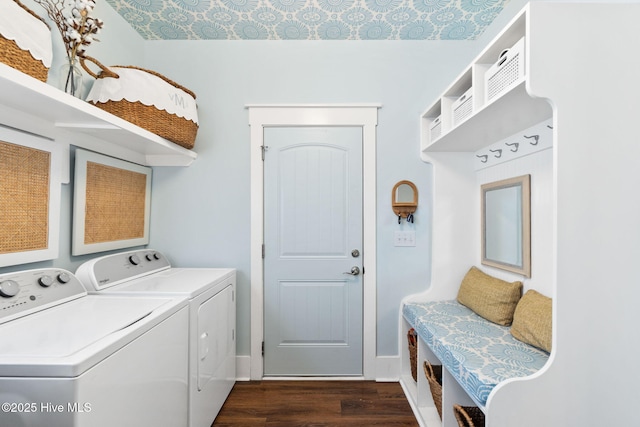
315,403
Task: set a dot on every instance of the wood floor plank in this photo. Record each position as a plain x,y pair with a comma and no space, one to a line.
315,404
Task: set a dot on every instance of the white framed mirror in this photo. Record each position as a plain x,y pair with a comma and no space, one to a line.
506,224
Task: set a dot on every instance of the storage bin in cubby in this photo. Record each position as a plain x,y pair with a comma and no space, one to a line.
506,72
435,129
462,107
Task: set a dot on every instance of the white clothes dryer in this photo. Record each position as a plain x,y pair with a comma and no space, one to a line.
69,359
212,316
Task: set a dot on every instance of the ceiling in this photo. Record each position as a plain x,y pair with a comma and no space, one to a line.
309,19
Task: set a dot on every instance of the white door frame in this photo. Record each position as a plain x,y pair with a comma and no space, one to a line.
364,115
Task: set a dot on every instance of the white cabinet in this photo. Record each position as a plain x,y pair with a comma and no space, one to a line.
32,106
579,71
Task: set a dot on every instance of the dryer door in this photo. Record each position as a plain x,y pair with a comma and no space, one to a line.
215,337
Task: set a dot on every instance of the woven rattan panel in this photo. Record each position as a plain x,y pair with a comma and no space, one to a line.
24,198
115,204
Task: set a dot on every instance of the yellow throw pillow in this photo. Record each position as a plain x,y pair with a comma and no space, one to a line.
490,297
532,320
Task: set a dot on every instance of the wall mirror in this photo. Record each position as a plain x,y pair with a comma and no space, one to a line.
404,199
506,225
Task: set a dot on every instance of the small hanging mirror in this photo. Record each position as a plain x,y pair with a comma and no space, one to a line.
404,200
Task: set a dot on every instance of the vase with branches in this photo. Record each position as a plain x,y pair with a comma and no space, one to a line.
78,30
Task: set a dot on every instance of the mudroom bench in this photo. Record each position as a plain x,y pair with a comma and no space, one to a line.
489,334
477,353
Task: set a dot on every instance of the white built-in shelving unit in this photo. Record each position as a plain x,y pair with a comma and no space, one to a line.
35,107
489,119
580,79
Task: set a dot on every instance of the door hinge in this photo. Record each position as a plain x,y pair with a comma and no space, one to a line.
362,269
262,348
263,251
264,148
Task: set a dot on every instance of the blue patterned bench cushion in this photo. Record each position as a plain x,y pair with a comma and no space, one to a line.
478,353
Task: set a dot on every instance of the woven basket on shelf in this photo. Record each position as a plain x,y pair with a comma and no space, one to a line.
412,337
433,373
22,60
468,416
176,129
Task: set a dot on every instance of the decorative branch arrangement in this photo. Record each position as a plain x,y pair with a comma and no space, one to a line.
79,29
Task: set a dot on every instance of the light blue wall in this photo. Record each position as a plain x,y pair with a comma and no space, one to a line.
200,214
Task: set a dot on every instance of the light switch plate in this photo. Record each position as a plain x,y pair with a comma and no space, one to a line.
404,238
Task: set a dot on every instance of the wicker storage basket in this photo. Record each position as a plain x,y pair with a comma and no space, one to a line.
433,373
412,337
147,99
468,416
25,40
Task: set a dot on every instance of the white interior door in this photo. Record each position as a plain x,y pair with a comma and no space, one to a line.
313,251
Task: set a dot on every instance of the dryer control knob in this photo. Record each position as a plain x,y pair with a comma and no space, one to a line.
133,259
9,288
64,278
152,256
45,281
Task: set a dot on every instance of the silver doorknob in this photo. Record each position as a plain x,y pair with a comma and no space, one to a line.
355,270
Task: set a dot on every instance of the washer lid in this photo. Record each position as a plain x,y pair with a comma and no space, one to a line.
66,340
188,282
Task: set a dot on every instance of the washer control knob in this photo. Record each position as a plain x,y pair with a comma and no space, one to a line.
64,278
9,288
45,281
134,259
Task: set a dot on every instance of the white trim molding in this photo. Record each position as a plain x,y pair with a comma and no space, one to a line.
364,115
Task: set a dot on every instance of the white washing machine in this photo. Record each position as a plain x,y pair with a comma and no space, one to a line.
69,359
212,316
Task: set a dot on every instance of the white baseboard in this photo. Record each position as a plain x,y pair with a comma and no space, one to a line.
387,368
243,368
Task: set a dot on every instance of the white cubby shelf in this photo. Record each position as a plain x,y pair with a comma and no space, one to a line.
510,111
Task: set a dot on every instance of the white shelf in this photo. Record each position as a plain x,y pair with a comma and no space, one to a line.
33,106
513,111
510,112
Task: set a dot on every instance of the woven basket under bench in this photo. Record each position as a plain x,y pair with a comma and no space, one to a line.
25,40
433,373
468,416
147,99
412,338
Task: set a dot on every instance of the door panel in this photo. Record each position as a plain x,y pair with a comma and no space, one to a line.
313,220
214,337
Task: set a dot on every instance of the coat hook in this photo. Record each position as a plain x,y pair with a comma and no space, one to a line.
536,137
515,146
499,151
483,158
550,127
